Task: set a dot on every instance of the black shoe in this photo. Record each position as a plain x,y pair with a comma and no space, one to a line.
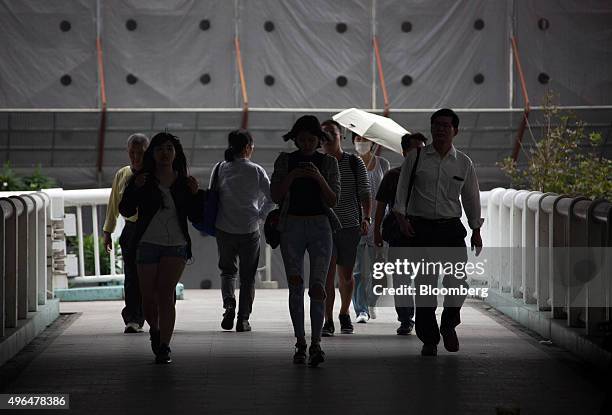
346,327
228,318
242,325
154,336
316,355
328,329
299,358
163,356
429,350
404,329
451,342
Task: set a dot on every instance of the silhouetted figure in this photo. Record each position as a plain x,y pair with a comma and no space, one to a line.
164,197
306,184
443,174
244,200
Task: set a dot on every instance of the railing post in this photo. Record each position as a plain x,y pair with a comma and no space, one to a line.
31,217
79,210
577,247
559,260
543,246
11,263
528,243
505,220
7,213
493,237
96,242
22,257
41,247
516,239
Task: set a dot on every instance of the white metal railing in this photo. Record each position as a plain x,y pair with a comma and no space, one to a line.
553,251
94,198
27,237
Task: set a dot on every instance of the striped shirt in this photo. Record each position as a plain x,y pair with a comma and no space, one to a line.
348,207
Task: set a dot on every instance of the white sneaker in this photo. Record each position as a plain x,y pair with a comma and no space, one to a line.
372,311
362,318
133,328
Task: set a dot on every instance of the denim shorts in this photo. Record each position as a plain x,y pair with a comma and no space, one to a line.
148,253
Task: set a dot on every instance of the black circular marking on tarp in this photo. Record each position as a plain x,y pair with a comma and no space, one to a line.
131,79
205,24
341,81
205,79
131,25
543,78
206,284
65,26
269,80
66,80
543,23
341,27
478,78
406,27
479,24
269,26
407,80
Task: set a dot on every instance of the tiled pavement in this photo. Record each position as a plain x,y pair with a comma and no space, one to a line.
373,371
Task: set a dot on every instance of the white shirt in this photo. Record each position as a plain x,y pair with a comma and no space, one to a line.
244,196
437,186
165,228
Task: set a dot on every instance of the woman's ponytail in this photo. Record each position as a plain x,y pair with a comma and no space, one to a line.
237,141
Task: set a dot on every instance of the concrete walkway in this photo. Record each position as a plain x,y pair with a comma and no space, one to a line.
373,371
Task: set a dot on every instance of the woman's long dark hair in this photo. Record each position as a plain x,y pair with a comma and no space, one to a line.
180,161
237,141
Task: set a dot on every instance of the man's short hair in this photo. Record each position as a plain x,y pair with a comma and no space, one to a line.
138,138
446,112
407,137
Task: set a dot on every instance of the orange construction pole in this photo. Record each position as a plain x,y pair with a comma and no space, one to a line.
245,98
381,76
523,125
102,129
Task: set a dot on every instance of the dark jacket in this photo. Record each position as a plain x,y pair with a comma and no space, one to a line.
147,200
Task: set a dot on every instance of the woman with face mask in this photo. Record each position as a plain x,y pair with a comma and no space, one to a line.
306,184
363,298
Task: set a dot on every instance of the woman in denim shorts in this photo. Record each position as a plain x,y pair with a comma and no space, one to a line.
306,184
164,197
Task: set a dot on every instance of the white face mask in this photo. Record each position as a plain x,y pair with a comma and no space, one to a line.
362,147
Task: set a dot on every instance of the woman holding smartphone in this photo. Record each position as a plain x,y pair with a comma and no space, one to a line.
164,196
306,184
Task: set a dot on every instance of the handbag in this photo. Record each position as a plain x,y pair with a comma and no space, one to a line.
210,206
271,232
391,232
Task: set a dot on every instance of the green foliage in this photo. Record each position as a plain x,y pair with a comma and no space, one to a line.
72,246
38,181
10,181
564,160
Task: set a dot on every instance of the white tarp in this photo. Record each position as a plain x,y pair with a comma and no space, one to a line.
168,52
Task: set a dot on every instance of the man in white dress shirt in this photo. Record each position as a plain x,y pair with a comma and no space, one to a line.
431,219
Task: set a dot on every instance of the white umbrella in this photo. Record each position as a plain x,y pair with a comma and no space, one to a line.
381,130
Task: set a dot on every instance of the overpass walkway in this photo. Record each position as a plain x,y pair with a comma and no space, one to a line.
500,366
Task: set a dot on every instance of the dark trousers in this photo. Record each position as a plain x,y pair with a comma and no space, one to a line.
132,312
442,241
404,305
244,248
